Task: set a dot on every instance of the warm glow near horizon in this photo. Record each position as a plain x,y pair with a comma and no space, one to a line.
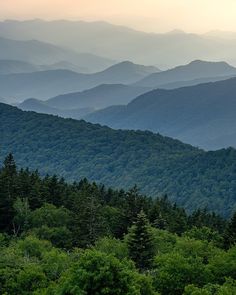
147,15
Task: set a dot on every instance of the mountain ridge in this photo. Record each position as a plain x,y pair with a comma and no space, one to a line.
194,70
122,43
202,115
42,53
157,164
49,83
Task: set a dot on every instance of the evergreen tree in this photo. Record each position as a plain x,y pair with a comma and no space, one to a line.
140,242
8,186
88,223
9,165
230,233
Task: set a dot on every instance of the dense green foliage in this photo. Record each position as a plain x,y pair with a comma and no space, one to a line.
60,239
121,159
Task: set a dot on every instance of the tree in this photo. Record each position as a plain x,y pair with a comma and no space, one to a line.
141,242
88,222
205,234
99,273
112,246
173,272
230,233
7,193
52,224
22,215
9,165
223,265
228,288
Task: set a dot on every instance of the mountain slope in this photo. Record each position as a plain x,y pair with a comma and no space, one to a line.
202,115
98,97
76,149
16,66
122,43
2,99
195,70
186,83
38,106
45,84
41,53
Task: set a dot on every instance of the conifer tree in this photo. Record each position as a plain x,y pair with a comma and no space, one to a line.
7,192
140,242
230,233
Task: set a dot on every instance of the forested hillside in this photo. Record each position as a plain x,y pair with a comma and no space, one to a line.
84,238
76,149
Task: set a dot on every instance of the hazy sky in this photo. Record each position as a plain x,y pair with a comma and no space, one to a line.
148,15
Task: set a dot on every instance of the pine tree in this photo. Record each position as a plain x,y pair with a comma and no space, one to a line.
230,233
140,242
88,225
8,188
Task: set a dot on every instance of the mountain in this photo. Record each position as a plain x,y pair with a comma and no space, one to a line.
46,84
35,105
98,97
221,34
64,65
186,83
76,149
202,115
195,70
2,99
122,43
128,71
42,53
33,51
16,66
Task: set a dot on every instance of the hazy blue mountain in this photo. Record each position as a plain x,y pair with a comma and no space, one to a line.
195,70
202,115
2,99
122,43
180,84
33,51
127,69
16,66
41,53
64,65
46,84
98,97
35,105
157,164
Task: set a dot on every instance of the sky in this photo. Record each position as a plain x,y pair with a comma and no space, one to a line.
197,16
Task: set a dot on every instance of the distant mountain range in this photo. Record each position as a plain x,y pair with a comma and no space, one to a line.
35,105
46,84
95,98
16,66
122,43
41,53
186,83
202,115
157,164
191,72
